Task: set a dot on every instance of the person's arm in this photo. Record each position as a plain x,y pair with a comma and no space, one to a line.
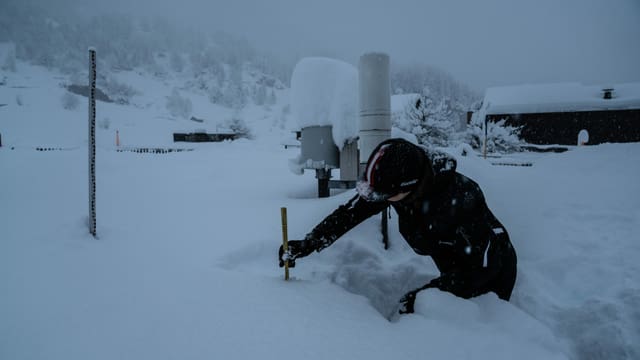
336,224
343,219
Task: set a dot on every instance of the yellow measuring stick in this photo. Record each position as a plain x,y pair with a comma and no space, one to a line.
285,240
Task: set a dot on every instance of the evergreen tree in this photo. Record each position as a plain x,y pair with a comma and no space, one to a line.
428,119
10,60
407,79
234,95
271,100
176,62
178,105
260,96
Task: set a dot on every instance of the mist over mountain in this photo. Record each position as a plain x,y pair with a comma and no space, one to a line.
57,35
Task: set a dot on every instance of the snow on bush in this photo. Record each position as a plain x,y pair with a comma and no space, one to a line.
178,105
238,126
260,95
433,122
429,119
500,137
117,91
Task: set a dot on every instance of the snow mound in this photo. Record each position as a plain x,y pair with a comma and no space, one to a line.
325,92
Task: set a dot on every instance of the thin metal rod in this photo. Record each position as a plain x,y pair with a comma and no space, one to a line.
285,240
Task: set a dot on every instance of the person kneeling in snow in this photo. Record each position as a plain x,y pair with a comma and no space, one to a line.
441,213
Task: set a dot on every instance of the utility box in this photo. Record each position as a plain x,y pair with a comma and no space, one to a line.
318,151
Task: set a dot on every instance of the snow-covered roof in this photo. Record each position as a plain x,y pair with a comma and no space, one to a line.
562,97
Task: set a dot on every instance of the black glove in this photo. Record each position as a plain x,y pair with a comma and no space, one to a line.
456,284
409,299
295,249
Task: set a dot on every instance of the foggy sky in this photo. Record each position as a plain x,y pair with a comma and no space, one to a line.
481,42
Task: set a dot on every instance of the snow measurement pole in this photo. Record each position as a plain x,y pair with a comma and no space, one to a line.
285,240
92,141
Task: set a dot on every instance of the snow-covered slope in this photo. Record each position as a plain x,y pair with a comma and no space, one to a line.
185,265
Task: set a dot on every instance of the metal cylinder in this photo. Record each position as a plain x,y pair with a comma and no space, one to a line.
375,102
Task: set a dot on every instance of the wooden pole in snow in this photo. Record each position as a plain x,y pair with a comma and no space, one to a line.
285,240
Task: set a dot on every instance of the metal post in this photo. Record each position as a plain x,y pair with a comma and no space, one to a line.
92,141
323,176
385,228
285,240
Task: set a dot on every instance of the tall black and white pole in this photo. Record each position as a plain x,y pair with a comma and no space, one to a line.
92,141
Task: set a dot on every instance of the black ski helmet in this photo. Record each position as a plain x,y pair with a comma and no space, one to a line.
395,166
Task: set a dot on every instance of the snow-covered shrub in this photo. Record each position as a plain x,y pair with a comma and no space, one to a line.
237,124
178,105
500,137
430,120
215,95
283,116
234,96
272,99
118,92
260,95
69,101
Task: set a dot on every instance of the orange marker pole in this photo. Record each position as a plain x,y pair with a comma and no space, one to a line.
285,240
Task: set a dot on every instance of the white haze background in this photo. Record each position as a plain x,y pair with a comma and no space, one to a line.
482,43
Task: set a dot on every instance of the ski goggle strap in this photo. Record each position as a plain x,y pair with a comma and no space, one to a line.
365,187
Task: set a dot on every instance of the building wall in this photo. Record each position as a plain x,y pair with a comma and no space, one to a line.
562,128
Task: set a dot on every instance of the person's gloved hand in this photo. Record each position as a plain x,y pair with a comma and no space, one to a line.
295,249
456,284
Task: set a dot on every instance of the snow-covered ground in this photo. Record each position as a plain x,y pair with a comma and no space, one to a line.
185,263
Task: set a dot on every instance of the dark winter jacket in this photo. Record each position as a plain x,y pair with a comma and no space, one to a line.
446,218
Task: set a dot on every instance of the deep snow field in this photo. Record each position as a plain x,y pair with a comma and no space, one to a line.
185,263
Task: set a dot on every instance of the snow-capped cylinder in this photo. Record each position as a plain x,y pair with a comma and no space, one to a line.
375,102
325,92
